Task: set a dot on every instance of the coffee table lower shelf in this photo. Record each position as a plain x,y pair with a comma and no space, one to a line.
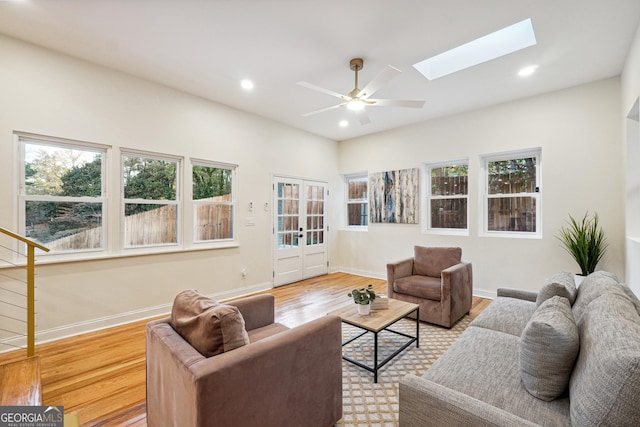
376,323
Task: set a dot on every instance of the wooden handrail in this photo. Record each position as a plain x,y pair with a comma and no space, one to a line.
31,288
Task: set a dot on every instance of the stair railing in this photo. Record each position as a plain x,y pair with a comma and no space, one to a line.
30,282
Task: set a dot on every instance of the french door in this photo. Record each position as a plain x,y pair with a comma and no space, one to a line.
300,230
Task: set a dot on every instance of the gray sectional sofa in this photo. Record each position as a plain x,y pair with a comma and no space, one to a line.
564,356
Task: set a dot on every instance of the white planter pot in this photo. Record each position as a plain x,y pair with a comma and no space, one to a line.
364,309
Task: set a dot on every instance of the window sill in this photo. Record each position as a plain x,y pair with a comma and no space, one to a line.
45,259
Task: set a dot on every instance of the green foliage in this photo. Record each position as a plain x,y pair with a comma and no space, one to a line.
83,181
149,179
363,295
585,241
210,182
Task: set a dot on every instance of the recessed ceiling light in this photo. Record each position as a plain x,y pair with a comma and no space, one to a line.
246,84
343,123
527,71
502,42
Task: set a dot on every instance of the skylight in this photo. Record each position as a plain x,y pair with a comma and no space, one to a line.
502,42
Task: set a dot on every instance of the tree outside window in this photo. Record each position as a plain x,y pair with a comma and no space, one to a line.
150,188
62,194
357,200
214,205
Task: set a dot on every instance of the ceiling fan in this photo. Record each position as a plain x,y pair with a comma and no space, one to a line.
358,99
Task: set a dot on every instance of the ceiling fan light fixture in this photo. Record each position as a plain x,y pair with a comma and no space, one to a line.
355,105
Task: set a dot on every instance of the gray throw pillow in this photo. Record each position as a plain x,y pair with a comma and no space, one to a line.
549,346
562,284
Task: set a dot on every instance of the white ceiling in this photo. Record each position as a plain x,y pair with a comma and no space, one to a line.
204,47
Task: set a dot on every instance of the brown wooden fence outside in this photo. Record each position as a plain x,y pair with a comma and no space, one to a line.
158,226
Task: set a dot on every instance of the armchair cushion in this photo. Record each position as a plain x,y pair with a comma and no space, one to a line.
210,327
420,286
431,261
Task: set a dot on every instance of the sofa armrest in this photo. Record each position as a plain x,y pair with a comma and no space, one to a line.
425,403
397,270
257,310
234,388
518,294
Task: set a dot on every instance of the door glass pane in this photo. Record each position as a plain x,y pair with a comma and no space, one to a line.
288,212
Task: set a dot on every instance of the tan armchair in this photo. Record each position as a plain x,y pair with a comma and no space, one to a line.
283,377
437,280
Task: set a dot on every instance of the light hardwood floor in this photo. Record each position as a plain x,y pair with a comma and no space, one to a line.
100,376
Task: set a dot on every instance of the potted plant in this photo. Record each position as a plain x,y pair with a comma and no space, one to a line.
585,241
363,297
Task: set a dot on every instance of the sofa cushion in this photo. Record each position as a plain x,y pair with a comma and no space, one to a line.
483,364
593,286
430,261
209,327
562,284
504,314
605,383
419,286
548,349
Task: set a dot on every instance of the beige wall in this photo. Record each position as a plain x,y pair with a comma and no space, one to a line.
630,93
579,132
50,94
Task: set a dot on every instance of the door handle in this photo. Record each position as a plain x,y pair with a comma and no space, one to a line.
301,235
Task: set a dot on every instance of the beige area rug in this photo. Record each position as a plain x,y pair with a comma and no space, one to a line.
365,403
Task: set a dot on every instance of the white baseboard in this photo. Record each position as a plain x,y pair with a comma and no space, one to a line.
74,329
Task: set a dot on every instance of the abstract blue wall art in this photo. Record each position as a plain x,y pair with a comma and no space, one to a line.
393,196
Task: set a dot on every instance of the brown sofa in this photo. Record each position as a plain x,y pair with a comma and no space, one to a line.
283,377
437,280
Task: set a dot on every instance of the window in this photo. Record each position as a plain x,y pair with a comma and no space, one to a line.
357,200
151,200
213,201
447,197
511,196
62,193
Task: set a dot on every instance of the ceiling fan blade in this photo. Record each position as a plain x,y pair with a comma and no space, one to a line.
380,80
322,110
363,117
323,90
396,103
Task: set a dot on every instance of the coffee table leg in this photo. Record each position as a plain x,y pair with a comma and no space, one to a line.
375,357
418,327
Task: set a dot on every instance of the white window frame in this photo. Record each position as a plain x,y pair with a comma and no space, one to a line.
359,176
23,138
190,216
484,191
124,153
426,206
